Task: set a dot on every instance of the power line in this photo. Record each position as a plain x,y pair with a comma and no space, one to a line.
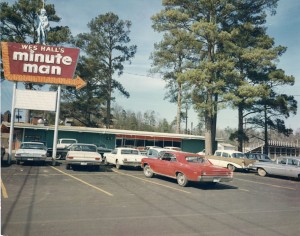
148,76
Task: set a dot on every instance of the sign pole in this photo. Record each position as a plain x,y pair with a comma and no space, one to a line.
56,125
12,124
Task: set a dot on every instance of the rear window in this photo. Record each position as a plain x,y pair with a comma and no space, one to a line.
195,159
39,146
129,151
84,148
68,141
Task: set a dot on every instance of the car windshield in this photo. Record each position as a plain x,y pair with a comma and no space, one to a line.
196,159
130,151
84,148
32,146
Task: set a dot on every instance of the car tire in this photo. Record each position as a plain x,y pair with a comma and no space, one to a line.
118,166
148,171
231,167
18,162
261,172
68,166
181,179
58,156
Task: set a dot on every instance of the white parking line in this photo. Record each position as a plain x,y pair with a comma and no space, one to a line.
82,181
149,181
3,190
272,185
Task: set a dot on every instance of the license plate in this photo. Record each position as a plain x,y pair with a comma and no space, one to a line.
216,180
29,159
83,163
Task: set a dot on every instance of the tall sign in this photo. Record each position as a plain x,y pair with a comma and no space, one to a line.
35,63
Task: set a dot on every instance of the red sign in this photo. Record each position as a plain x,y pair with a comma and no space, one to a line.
40,63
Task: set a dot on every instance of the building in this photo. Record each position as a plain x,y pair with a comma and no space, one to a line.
109,138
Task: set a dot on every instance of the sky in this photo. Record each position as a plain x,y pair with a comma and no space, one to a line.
147,91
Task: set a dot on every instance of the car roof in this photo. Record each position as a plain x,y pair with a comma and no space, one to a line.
160,149
89,144
34,143
127,148
229,151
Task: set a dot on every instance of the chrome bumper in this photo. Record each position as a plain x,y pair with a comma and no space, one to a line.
215,179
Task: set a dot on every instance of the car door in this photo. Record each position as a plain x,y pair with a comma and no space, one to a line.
163,164
171,164
293,168
279,168
110,157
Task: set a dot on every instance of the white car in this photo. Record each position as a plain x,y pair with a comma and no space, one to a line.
231,159
83,154
156,152
31,151
124,157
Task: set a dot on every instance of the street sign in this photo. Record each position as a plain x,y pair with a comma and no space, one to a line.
34,63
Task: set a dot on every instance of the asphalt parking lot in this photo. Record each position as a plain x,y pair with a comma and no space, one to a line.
50,200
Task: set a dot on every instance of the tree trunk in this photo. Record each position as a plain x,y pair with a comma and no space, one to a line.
240,129
109,88
266,138
209,127
178,117
214,124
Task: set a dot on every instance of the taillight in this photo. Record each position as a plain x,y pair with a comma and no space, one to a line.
97,158
69,157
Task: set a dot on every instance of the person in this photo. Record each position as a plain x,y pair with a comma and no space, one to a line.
43,26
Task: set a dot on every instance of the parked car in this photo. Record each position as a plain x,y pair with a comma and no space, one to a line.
123,156
230,159
103,149
83,154
202,153
258,157
2,152
155,152
173,148
62,148
30,152
185,167
65,142
229,153
287,166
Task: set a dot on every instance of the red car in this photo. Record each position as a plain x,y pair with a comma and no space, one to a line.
185,167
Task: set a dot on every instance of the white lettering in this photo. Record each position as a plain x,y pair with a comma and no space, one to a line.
30,68
56,70
49,59
20,56
58,58
44,69
67,60
39,58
